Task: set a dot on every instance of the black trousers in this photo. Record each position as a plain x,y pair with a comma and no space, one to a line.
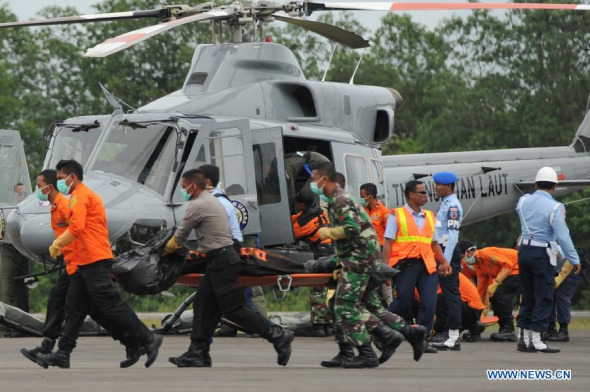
537,281
450,288
220,293
56,312
469,316
91,287
502,301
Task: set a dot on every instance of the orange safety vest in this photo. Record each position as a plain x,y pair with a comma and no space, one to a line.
410,242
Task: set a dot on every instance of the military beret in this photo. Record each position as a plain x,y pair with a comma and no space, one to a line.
445,178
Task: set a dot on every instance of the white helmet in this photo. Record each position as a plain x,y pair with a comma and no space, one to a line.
546,174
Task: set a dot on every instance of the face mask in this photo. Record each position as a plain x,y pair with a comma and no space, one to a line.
315,189
62,187
471,267
185,195
363,202
40,195
324,198
470,260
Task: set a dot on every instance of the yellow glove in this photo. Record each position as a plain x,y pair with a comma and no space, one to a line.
333,233
492,288
65,239
336,273
171,247
54,250
565,271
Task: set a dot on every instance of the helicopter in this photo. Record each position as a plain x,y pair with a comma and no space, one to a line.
248,108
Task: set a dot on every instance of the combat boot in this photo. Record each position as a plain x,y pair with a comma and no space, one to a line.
133,353
196,356
59,358
439,337
366,358
522,344
561,336
416,336
346,353
46,347
318,331
389,341
152,348
537,345
281,341
452,343
504,335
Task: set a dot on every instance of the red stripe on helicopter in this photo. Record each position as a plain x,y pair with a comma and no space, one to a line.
124,38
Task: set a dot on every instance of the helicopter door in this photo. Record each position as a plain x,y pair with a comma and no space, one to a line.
227,145
271,186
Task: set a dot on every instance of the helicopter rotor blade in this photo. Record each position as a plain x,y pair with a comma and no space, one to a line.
394,6
331,32
162,13
123,41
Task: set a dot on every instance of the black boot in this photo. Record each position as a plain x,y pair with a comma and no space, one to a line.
196,356
522,345
504,335
59,358
318,331
281,341
561,336
133,353
46,347
389,341
416,336
346,353
152,347
366,358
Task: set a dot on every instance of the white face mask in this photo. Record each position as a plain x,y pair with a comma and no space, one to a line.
470,260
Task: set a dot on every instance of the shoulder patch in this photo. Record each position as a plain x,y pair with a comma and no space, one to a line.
73,201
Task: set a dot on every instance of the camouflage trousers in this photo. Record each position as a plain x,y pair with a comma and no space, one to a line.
318,306
358,309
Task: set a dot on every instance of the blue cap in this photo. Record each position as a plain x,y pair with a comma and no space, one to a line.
445,178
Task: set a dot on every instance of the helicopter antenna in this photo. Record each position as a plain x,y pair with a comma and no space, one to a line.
329,62
114,101
356,69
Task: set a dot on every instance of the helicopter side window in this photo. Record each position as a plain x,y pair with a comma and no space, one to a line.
266,173
227,153
8,173
356,173
377,178
70,144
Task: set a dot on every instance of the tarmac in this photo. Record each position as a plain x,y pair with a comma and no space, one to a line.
245,364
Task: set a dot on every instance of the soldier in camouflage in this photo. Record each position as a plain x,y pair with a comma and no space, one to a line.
357,252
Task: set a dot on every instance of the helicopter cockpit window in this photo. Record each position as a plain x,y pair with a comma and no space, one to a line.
12,188
144,155
266,173
71,143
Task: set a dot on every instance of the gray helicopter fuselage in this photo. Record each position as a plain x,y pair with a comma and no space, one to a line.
248,109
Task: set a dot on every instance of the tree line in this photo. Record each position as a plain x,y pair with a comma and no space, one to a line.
474,83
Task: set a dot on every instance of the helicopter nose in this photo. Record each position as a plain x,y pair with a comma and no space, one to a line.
36,234
30,234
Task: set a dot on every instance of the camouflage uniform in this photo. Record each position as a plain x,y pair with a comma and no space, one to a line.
357,307
318,304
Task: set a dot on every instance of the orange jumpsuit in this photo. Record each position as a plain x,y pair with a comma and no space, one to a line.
60,218
490,261
378,216
88,223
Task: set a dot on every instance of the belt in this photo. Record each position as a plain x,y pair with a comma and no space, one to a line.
412,259
219,251
538,244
